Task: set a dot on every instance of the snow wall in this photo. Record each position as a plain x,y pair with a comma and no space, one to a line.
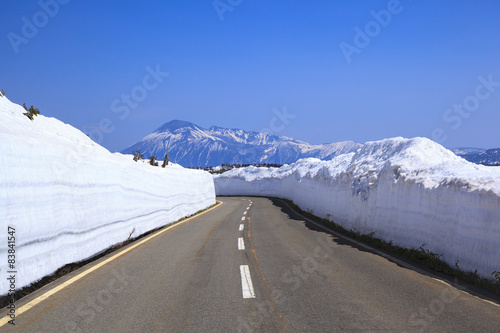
410,191
68,198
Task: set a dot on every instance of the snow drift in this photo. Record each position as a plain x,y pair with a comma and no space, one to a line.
69,198
410,191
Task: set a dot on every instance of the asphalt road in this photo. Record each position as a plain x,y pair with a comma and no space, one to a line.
285,275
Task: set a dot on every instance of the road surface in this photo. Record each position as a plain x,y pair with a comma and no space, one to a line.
253,265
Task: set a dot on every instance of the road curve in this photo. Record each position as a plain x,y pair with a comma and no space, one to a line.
253,265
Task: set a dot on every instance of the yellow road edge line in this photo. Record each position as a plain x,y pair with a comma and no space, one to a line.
467,293
51,292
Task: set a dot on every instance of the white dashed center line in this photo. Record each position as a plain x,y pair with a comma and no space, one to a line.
246,282
241,243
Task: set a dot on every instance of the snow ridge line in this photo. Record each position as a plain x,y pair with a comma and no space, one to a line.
85,186
64,233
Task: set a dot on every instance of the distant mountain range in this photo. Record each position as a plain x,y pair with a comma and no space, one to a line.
193,146
479,156
467,151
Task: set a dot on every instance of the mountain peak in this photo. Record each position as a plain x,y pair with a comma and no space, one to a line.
175,125
194,146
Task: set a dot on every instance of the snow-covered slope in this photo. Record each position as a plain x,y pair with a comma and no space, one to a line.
193,146
69,198
410,191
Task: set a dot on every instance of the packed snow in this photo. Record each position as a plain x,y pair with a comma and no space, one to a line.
410,191
69,198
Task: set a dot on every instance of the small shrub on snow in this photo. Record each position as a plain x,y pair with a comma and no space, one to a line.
138,156
165,161
152,160
31,112
130,234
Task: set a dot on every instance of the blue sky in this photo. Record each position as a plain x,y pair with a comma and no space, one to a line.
425,68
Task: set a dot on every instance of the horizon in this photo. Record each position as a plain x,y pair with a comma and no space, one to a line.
316,72
209,128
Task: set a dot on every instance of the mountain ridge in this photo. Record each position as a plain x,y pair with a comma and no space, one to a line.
487,157
194,146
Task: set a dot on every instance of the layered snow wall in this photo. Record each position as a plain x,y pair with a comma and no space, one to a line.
410,191
69,198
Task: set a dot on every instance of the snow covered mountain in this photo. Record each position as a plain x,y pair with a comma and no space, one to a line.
462,151
194,146
487,157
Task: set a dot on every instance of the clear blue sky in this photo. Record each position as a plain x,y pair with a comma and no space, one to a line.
263,56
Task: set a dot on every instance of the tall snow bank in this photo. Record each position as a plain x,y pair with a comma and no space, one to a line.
410,191
69,198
